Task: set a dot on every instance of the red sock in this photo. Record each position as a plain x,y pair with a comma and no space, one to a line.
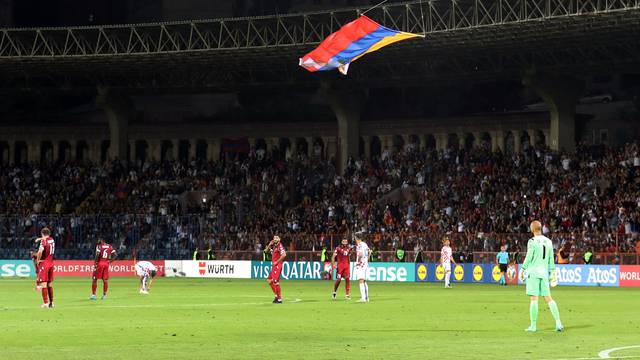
105,287
336,285
45,296
273,288
278,291
347,286
94,286
50,294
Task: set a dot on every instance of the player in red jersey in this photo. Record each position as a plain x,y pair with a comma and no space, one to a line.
277,257
342,252
44,259
105,254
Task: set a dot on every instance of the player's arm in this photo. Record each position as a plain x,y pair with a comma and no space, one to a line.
529,257
283,255
39,253
333,259
552,264
113,256
453,260
97,257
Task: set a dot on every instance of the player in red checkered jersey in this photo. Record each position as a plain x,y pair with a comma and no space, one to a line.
44,261
342,253
105,254
446,258
277,257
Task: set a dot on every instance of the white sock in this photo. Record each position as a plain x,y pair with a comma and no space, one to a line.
446,278
362,291
366,291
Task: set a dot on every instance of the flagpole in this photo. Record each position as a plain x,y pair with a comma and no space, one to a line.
374,6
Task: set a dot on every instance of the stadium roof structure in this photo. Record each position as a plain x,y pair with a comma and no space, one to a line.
464,39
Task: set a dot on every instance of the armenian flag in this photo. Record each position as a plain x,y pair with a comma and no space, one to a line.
354,40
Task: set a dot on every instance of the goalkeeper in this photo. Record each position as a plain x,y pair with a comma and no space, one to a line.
538,271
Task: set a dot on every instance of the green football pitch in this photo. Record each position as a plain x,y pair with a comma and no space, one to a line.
235,319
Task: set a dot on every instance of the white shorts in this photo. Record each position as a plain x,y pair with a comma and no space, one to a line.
361,273
446,267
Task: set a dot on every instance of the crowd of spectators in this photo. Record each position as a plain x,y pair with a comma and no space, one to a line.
402,198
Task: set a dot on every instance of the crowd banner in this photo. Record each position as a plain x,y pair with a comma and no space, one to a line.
291,270
587,275
630,275
17,268
216,269
86,267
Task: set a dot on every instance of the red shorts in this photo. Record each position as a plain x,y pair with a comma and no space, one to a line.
45,272
101,272
275,272
343,273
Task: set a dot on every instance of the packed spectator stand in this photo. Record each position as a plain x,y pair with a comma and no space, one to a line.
402,198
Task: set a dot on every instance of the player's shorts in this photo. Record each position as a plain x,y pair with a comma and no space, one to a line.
446,267
503,267
274,275
45,272
101,272
361,273
343,273
538,287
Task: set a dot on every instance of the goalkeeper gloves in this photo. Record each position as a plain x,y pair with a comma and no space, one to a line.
553,280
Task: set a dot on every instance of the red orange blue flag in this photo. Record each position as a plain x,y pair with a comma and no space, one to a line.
354,40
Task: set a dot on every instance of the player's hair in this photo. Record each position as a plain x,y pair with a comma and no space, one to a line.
45,231
153,273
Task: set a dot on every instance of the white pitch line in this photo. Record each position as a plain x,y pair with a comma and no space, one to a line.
604,354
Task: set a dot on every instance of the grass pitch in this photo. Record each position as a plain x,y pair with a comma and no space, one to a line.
234,319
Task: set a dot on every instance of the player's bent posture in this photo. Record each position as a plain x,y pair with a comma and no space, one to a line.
105,254
445,261
44,261
539,270
277,257
34,258
502,260
362,265
342,253
146,271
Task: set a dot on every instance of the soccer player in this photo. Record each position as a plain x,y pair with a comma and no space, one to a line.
105,254
44,261
362,265
146,271
34,257
445,261
342,253
502,260
539,270
277,257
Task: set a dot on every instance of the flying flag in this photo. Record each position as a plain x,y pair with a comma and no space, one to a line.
355,39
